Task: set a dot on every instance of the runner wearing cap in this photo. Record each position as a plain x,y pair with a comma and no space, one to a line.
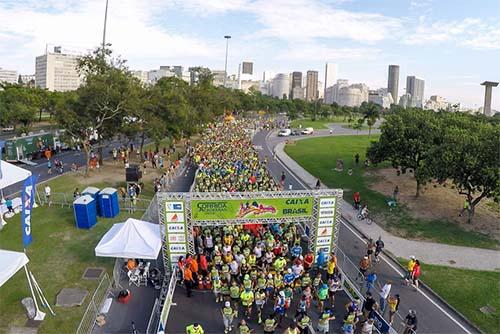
409,268
228,315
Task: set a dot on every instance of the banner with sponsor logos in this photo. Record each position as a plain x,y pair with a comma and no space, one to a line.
27,201
326,224
176,238
252,208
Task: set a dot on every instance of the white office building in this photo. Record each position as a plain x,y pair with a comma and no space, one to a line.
380,97
218,76
437,103
8,76
143,76
155,75
56,70
280,86
349,95
298,93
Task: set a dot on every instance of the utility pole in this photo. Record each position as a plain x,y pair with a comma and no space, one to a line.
104,31
227,37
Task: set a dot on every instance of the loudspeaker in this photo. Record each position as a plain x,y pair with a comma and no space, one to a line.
133,174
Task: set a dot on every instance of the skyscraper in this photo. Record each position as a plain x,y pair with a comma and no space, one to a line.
393,82
247,67
312,86
281,86
415,87
296,79
330,75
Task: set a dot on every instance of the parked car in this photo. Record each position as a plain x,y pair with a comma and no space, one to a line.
308,131
285,133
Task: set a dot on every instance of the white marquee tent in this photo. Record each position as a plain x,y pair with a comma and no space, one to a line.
10,174
133,239
10,263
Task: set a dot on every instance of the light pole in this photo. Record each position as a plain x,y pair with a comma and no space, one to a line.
104,31
227,37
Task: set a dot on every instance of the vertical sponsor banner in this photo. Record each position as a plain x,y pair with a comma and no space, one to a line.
326,224
176,238
27,200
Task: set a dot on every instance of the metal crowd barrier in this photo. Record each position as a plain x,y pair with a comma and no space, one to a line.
94,307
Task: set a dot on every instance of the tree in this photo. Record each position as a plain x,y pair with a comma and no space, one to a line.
371,113
468,156
94,112
18,106
407,140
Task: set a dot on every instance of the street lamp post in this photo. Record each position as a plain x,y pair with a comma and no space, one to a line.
104,31
227,37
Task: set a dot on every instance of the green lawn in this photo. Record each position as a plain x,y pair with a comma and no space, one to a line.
467,291
320,123
319,155
58,257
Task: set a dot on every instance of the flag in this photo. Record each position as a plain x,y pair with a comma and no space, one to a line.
27,201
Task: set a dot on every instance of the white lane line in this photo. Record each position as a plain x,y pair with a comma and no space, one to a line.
419,290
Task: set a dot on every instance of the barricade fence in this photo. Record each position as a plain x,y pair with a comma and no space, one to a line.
66,200
355,286
94,307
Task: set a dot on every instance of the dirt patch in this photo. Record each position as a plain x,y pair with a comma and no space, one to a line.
436,202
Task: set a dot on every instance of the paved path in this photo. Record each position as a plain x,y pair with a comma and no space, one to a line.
428,252
434,315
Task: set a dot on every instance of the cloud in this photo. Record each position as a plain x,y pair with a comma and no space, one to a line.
131,30
209,7
319,52
469,32
302,19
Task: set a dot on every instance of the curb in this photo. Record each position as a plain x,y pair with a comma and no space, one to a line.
395,261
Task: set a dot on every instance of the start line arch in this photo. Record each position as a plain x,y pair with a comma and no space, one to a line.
317,210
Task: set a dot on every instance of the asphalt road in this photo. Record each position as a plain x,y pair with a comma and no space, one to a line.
433,316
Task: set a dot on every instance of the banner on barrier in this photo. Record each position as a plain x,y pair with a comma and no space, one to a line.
252,208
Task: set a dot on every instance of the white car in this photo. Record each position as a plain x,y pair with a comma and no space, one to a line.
285,133
307,131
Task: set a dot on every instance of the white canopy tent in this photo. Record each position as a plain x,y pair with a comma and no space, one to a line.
133,239
10,263
10,174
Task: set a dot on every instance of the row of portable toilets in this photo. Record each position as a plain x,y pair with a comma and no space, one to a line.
93,203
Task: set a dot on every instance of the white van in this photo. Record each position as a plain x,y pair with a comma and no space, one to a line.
285,133
308,131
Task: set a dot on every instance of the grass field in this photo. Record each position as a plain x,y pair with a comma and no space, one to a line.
58,257
319,155
320,123
467,291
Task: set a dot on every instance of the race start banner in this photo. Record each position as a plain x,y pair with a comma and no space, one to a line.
239,209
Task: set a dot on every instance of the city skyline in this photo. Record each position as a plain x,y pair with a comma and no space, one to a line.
454,50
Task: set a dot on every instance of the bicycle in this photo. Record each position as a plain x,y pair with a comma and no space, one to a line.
365,216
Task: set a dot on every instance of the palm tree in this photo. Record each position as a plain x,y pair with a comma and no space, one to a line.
371,113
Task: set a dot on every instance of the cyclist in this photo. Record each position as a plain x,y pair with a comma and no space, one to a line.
363,213
379,246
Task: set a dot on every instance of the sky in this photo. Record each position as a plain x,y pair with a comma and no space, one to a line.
453,44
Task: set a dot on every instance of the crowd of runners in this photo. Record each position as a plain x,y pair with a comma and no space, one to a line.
263,276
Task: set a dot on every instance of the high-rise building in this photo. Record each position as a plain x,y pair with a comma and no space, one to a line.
336,88
331,70
56,71
436,103
280,86
312,86
8,76
218,77
353,95
415,87
163,72
27,80
296,79
247,67
393,82
267,76
298,93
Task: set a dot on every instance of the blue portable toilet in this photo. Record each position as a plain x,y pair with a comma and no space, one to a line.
85,210
94,193
108,202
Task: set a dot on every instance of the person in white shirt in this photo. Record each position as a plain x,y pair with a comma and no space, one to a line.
384,293
47,194
367,327
257,250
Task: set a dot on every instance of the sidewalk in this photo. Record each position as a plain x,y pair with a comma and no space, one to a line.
428,252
